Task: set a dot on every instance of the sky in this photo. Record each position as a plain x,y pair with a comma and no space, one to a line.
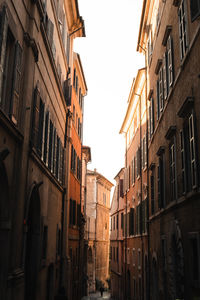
110,62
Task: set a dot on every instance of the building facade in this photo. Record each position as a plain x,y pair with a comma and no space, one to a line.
169,36
117,212
36,57
97,229
78,91
135,243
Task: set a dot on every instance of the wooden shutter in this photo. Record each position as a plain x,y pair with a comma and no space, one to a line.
194,9
40,139
35,123
54,152
71,212
165,75
50,147
152,193
67,92
3,38
50,29
161,98
14,108
78,214
68,48
121,188
158,100
57,157
72,156
170,61
46,138
152,116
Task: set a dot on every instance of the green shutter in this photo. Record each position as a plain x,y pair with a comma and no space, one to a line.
14,107
35,123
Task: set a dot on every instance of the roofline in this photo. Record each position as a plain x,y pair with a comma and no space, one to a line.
119,173
141,24
87,148
90,172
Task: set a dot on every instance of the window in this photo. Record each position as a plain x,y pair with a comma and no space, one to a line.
121,185
138,219
122,220
133,256
143,216
138,162
117,221
152,182
72,217
194,9
169,61
188,154
131,222
173,178
192,151
151,117
182,13
114,223
74,78
183,162
10,69
144,152
161,181
111,252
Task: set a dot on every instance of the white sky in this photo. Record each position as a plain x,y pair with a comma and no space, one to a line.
110,62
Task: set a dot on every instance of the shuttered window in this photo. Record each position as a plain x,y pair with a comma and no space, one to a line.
51,142
192,151
165,75
151,117
173,170
46,137
10,69
183,35
152,183
183,161
40,139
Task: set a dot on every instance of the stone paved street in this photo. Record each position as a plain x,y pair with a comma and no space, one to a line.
97,295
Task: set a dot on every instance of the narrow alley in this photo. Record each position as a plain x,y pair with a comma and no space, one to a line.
97,295
99,149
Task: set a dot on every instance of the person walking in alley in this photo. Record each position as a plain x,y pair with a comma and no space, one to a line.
101,291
